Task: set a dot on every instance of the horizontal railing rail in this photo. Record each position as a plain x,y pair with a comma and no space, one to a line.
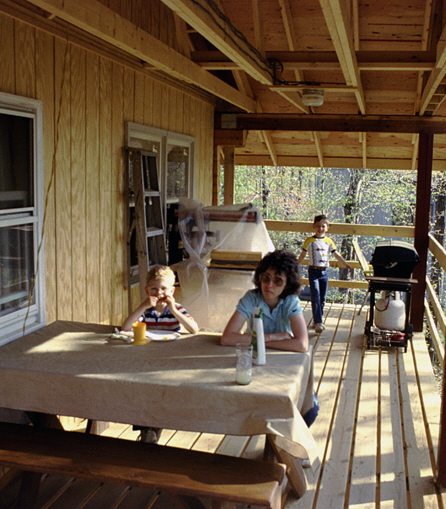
435,316
371,230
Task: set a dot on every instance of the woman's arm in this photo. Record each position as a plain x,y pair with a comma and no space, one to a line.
297,343
232,335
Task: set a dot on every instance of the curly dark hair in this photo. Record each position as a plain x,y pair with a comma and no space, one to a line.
280,261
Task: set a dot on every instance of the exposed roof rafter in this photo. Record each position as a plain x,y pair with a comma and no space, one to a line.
214,26
336,19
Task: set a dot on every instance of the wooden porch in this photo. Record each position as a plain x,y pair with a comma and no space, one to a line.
377,431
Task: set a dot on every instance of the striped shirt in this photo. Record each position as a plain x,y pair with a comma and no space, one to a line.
319,250
163,321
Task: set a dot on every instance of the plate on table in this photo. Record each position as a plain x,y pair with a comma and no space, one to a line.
162,335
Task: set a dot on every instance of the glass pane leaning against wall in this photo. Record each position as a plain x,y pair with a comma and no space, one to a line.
21,286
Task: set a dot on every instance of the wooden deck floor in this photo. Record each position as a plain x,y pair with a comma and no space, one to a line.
377,431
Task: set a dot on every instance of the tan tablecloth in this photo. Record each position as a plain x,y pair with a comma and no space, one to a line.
70,369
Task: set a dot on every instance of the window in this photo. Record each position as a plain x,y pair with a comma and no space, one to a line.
175,162
21,273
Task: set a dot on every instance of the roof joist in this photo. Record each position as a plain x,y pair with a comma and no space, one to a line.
216,28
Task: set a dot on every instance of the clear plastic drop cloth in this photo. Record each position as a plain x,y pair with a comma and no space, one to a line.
211,294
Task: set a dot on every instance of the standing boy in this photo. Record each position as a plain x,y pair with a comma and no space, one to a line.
319,248
159,312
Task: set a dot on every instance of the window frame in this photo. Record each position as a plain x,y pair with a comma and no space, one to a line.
163,139
31,317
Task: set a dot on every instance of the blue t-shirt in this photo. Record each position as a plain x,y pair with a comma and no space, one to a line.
277,320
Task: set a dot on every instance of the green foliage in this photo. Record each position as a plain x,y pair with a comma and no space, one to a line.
344,195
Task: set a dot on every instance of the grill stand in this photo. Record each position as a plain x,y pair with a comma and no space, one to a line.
376,336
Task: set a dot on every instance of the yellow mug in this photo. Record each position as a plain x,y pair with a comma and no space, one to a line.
139,333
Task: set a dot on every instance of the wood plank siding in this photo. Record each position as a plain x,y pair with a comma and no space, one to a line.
88,94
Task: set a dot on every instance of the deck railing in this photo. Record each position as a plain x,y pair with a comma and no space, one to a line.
435,316
355,230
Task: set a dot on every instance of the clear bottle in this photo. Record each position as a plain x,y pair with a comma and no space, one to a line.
258,338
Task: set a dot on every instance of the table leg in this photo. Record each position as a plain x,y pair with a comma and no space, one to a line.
295,472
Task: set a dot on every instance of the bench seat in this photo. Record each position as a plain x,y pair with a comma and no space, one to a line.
110,460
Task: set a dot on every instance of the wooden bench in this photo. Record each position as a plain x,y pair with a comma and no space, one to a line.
223,479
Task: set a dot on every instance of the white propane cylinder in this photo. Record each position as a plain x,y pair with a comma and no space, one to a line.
390,312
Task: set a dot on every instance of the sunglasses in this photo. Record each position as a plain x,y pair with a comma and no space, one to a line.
267,278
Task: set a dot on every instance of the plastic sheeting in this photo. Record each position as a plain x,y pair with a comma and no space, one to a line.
211,294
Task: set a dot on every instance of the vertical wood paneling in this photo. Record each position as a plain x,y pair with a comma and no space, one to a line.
138,110
25,65
129,108
64,237
78,183
104,192
173,109
158,112
177,120
7,55
45,92
148,101
92,189
118,203
86,101
189,115
165,106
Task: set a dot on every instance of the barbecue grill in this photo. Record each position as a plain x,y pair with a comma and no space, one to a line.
394,258
393,264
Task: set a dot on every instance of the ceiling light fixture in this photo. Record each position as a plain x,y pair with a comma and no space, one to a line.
313,96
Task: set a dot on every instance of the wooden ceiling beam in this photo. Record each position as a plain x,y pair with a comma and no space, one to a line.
258,26
435,77
323,60
342,38
101,22
214,26
336,123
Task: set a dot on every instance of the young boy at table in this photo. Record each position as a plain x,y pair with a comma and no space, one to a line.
277,283
159,311
319,248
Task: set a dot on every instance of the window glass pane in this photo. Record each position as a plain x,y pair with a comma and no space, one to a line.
177,172
16,267
15,162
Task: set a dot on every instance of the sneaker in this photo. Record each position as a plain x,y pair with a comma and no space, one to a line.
319,327
150,435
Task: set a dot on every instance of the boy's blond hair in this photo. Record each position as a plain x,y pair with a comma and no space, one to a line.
160,272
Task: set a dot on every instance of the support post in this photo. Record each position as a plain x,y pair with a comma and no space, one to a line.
422,216
216,175
229,153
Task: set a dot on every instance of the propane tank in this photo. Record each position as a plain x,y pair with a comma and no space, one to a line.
390,311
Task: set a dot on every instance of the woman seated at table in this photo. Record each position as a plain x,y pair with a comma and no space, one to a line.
277,283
